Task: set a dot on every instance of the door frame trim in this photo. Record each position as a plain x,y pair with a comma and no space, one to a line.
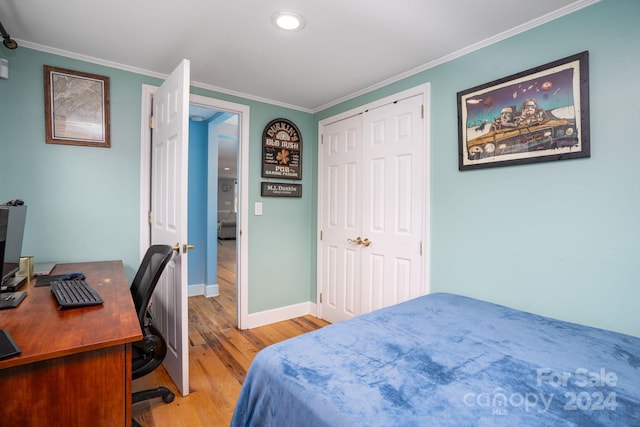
243,213
423,90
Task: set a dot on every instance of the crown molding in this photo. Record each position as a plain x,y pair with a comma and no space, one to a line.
573,7
581,4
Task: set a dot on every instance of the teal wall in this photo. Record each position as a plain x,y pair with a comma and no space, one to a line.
198,203
84,202
558,238
282,240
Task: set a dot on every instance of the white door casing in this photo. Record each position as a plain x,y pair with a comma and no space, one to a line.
373,186
148,92
242,238
169,162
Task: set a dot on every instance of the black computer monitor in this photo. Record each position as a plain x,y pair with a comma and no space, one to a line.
13,245
4,221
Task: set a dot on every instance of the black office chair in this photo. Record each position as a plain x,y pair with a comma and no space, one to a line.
149,352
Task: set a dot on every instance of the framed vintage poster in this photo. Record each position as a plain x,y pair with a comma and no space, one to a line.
541,114
76,107
281,150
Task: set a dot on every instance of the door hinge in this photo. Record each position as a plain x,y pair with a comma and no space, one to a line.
422,111
321,139
149,217
320,297
420,248
320,234
152,122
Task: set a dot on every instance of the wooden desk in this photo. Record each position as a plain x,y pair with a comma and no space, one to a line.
75,366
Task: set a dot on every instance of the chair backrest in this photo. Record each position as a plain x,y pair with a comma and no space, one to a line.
155,260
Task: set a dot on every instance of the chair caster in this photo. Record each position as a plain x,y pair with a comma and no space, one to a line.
168,397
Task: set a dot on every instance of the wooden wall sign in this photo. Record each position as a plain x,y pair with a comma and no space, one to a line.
280,189
281,150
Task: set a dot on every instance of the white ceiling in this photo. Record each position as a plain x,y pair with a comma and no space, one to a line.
347,46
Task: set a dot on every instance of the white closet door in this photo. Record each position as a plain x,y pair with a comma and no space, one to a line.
372,208
392,200
341,214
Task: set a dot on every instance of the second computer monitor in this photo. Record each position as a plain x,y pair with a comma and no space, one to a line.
4,220
13,242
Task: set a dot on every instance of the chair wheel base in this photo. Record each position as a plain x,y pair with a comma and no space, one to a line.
162,392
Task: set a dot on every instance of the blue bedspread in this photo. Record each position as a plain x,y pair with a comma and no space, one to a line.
445,360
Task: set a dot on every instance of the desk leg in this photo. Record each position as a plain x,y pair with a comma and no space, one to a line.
128,411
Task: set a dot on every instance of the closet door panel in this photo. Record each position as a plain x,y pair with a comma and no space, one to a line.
340,219
392,220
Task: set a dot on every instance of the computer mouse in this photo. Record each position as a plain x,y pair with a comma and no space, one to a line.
73,276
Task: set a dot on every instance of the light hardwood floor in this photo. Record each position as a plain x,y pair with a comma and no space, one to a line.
219,356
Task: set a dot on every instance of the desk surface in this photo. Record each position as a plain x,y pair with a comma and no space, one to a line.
43,332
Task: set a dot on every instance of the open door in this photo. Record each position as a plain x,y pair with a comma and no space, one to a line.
169,162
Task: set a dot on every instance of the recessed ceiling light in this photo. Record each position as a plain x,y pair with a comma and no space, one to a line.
288,21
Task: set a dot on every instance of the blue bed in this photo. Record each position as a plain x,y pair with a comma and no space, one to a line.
445,360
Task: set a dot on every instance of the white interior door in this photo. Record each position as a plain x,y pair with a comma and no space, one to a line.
372,210
341,219
393,187
169,160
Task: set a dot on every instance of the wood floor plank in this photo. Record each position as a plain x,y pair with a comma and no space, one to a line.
219,356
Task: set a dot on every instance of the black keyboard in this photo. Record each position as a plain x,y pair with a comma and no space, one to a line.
74,293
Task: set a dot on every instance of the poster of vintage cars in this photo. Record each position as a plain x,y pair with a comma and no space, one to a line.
541,114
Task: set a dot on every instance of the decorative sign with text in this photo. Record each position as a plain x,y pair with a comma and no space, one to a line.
280,189
281,150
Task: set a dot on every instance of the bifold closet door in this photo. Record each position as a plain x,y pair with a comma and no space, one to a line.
371,209
392,204
341,216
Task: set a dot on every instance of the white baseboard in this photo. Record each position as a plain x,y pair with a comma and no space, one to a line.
195,290
262,318
280,314
202,289
212,291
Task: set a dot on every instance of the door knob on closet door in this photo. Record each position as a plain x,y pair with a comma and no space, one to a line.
357,241
366,242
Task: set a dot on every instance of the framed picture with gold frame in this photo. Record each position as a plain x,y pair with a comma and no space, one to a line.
76,107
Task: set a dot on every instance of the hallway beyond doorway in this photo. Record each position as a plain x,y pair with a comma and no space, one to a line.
227,277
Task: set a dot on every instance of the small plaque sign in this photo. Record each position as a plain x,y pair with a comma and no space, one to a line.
281,150
281,189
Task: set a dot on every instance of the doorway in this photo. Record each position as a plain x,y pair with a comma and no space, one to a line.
242,112
213,203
